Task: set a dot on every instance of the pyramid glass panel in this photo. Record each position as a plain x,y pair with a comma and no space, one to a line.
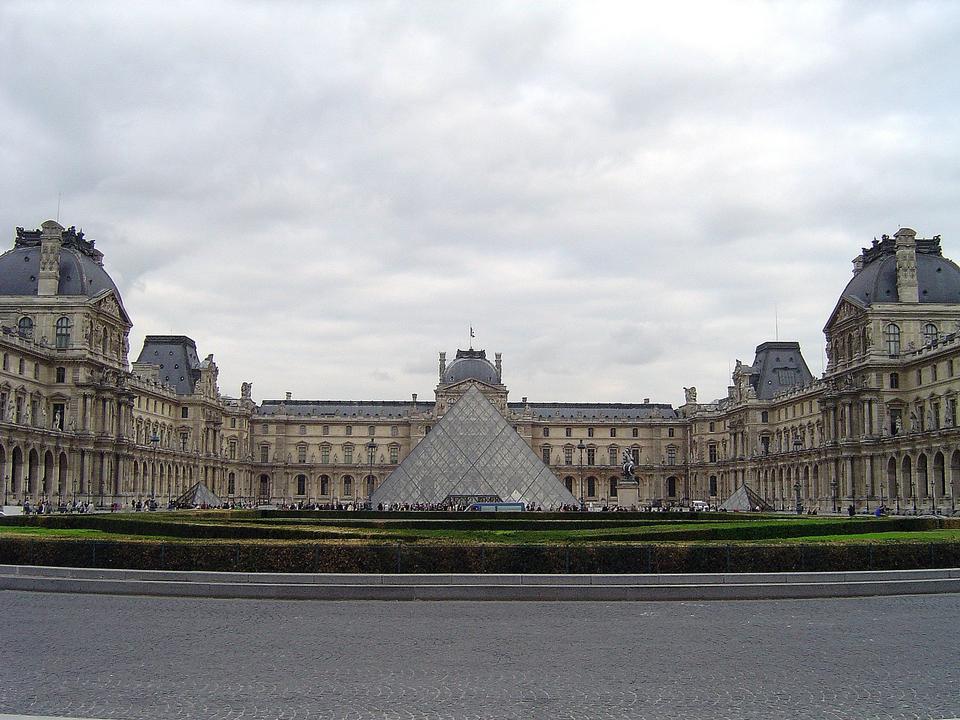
473,450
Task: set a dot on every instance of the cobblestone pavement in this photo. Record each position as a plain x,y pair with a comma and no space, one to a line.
159,658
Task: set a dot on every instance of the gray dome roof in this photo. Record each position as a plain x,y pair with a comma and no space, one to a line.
81,268
938,281
470,365
79,274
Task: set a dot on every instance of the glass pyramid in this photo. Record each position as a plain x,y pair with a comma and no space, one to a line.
473,451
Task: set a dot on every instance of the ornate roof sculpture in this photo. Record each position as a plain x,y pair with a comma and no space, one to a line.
78,263
473,451
875,272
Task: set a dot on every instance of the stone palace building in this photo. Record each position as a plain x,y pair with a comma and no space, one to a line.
78,419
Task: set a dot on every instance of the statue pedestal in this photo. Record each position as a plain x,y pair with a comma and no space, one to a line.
628,494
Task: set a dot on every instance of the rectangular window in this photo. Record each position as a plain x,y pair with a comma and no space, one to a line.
568,432
919,377
636,432
231,484
591,456
712,450
568,456
546,432
348,454
712,426
765,444
349,429
671,455
713,486
950,367
184,412
394,454
545,454
670,432
233,449
394,431
233,423
933,372
325,454
61,375
183,442
614,459
301,485
589,432
952,411
894,381
302,454
613,432
764,416
325,430
371,430
935,411
635,453
264,453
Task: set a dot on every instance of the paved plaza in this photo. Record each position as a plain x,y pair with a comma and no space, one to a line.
158,658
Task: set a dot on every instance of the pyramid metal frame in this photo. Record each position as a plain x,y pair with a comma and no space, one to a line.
473,450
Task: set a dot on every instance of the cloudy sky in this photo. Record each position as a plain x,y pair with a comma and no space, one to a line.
619,197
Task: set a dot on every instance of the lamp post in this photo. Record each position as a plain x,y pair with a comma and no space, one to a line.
581,447
833,489
797,446
371,452
933,493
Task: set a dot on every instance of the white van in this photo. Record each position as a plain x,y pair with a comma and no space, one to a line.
699,506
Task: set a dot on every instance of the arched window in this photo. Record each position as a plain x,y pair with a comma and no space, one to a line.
568,482
231,483
301,484
930,334
324,484
591,487
25,327
63,332
347,486
671,487
613,487
891,335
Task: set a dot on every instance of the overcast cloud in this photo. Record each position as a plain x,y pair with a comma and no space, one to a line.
619,197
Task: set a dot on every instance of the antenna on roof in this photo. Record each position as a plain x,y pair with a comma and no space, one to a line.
59,196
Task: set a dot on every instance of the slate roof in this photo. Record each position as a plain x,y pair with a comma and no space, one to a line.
777,368
343,408
938,279
177,357
597,411
81,266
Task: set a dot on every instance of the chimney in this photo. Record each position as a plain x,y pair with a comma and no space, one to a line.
289,396
646,401
857,264
414,398
50,243
499,366
907,289
443,364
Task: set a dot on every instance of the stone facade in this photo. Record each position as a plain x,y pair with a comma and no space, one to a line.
79,420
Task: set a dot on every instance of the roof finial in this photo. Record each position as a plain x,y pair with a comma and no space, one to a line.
472,336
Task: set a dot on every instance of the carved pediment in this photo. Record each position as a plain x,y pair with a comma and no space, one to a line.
846,312
107,304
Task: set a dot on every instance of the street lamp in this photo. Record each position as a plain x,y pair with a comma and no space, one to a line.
883,500
581,447
833,488
371,452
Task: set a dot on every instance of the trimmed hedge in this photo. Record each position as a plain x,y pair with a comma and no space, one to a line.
289,557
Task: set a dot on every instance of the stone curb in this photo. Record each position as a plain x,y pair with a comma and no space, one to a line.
721,586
